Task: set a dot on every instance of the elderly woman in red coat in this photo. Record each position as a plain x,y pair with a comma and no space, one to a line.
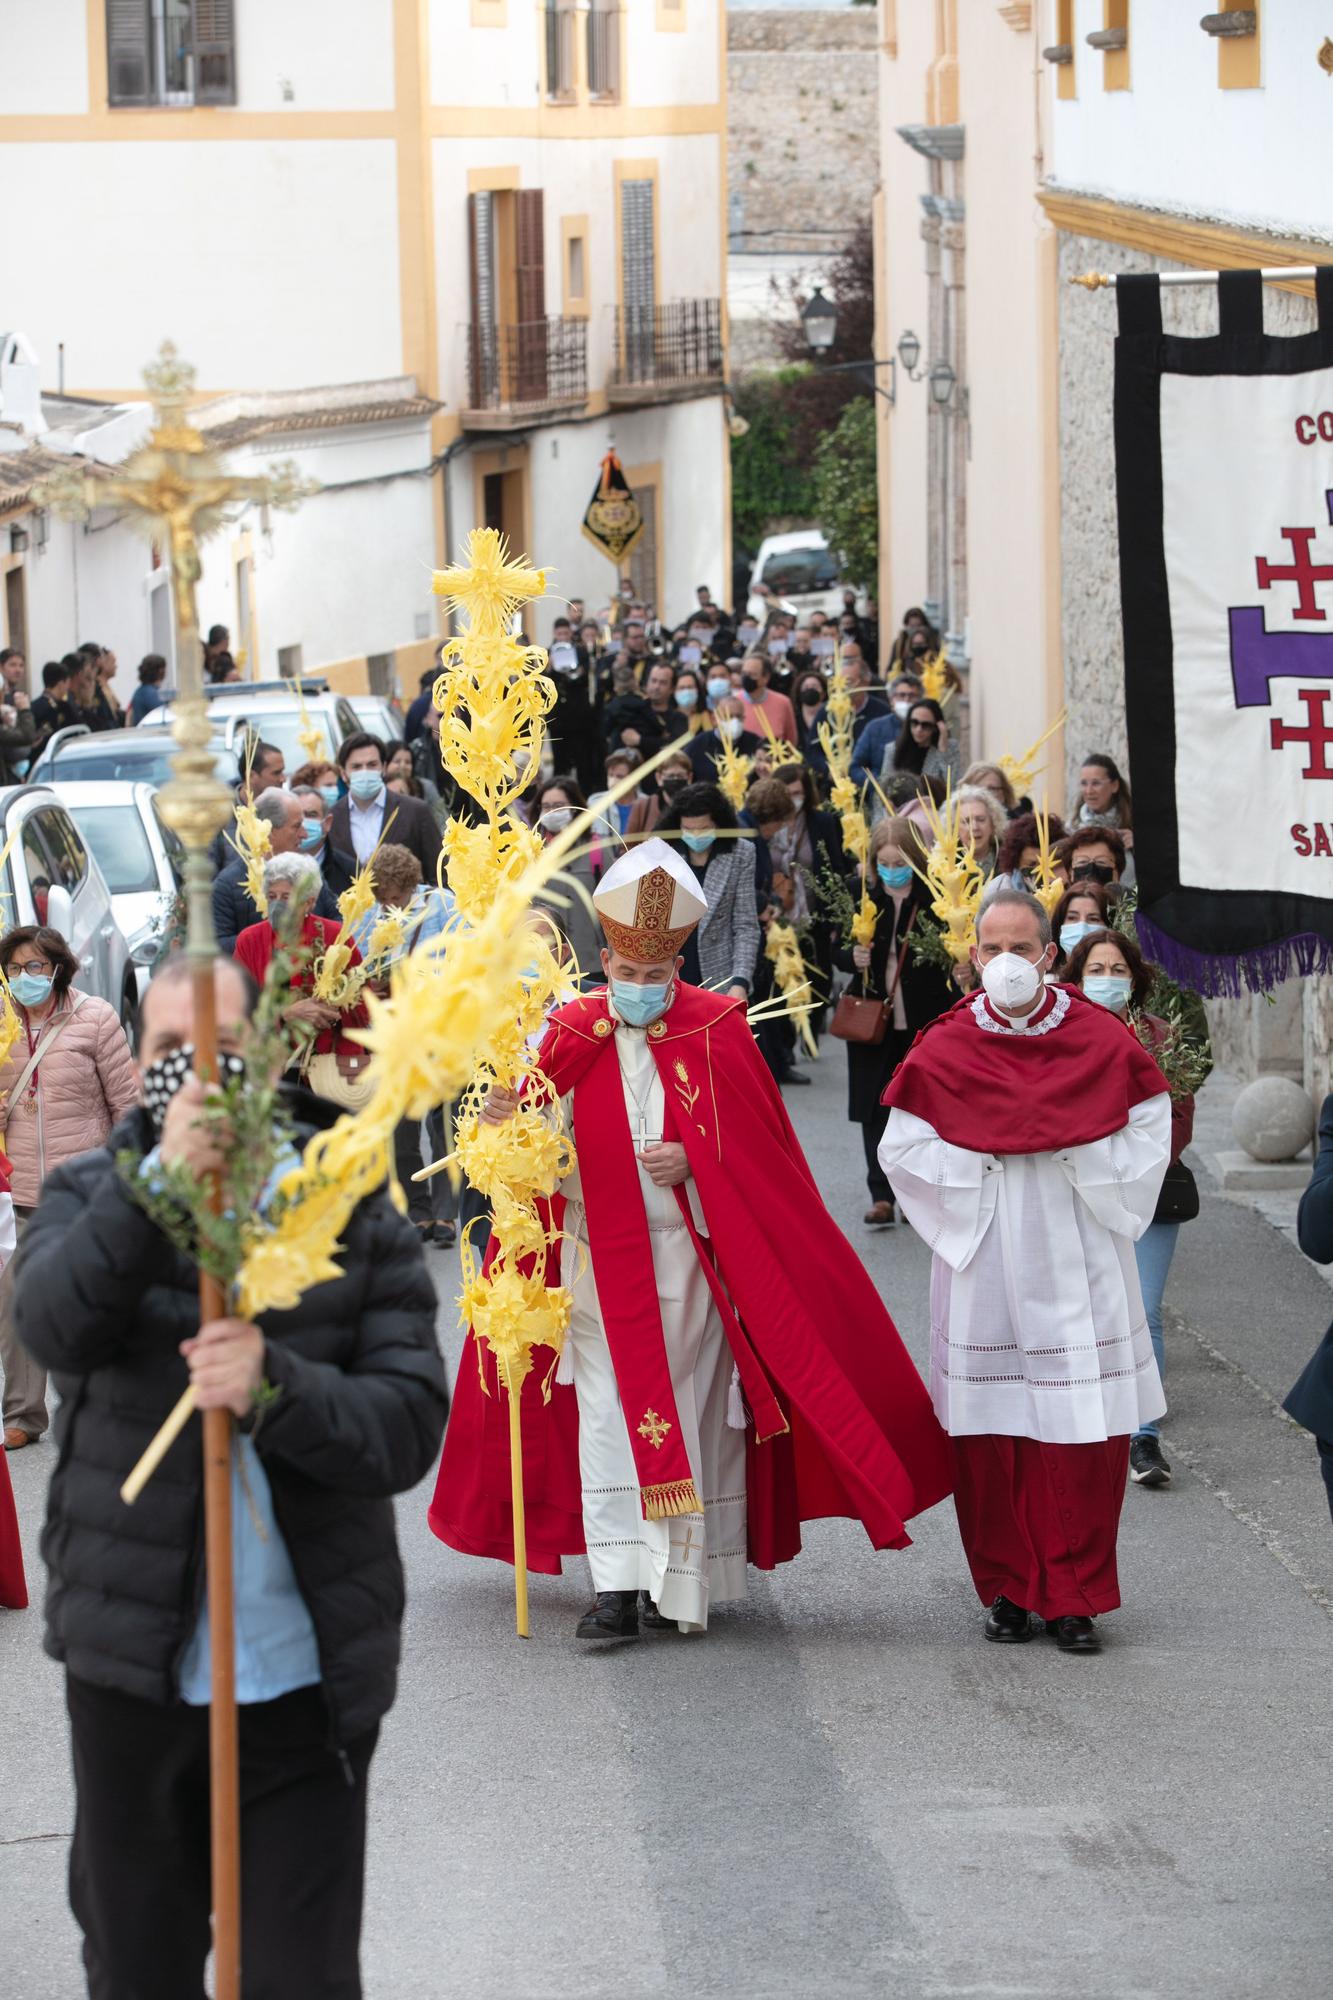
331,1064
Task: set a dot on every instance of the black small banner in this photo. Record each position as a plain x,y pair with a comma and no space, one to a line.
613,522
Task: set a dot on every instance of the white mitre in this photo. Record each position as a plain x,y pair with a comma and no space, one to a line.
649,901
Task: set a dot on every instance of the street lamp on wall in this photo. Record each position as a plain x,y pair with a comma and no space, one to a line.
819,320
909,353
942,380
18,539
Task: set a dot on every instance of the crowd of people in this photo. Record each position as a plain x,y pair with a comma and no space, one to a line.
1038,1094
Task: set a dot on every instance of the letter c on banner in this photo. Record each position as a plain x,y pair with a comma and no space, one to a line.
1300,837
1305,430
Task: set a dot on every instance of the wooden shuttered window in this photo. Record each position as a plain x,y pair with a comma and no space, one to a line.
129,52
214,51
643,556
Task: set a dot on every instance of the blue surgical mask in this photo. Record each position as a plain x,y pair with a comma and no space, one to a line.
687,697
21,767
31,989
1072,934
312,835
718,690
638,1005
1108,990
698,843
330,795
366,786
894,878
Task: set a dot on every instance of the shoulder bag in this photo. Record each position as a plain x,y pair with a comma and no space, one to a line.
859,1017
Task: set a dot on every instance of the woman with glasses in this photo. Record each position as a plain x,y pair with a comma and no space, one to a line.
923,747
66,1081
1094,854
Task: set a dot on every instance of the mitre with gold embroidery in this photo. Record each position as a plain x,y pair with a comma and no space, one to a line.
649,901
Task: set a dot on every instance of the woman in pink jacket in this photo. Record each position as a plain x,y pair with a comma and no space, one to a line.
66,1081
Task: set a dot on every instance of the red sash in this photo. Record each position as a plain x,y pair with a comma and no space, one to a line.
622,1260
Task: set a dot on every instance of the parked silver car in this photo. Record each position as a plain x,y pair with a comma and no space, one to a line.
51,878
142,859
272,712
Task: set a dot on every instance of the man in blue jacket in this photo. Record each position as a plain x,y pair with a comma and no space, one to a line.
234,908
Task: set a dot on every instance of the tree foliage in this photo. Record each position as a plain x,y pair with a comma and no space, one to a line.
846,495
769,478
795,409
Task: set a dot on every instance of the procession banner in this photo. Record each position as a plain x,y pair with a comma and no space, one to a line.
1224,479
613,521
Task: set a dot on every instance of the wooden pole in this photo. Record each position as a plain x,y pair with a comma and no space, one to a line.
218,1427
514,1392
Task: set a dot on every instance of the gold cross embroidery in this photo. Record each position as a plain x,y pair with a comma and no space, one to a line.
688,1547
654,1428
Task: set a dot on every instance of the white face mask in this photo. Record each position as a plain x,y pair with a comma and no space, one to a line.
556,817
1011,982
731,726
902,709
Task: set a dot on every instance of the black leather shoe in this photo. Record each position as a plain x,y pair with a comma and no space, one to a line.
615,1615
793,1076
1008,1624
652,1619
1074,1635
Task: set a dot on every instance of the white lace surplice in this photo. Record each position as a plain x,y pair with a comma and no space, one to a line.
1037,1322
692,1560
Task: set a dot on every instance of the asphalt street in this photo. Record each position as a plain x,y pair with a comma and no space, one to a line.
841,1790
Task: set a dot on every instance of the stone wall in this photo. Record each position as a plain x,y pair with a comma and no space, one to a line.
1290,1032
802,143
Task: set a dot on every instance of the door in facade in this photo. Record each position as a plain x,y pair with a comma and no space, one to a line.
644,568
16,610
502,506
508,329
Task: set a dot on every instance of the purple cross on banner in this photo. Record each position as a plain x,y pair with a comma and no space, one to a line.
1259,656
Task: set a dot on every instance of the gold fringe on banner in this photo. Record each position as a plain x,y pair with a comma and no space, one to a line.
662,1503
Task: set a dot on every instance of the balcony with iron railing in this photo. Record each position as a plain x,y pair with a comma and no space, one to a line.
521,374
666,353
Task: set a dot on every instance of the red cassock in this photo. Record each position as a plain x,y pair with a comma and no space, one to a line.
13,1584
820,1360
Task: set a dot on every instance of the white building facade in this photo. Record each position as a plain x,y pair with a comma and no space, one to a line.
457,246
1023,144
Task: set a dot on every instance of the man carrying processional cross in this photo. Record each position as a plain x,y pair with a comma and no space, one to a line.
730,1371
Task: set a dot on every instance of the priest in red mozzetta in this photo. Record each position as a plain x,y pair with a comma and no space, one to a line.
1026,1142
732,1369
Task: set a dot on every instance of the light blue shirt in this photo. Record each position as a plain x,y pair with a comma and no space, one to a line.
275,1637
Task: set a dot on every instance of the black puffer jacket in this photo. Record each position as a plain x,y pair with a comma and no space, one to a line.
104,1301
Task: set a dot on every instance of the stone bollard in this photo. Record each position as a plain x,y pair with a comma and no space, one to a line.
1273,1119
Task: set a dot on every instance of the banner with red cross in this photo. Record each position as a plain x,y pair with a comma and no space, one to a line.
1224,481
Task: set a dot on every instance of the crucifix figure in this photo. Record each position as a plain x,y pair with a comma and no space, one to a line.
175,488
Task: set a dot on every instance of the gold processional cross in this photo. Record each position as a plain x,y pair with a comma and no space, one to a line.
174,487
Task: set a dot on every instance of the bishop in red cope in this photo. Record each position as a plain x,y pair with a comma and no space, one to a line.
1027,1140
731,1369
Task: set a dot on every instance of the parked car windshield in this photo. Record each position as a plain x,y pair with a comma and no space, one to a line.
795,571
83,759
118,839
